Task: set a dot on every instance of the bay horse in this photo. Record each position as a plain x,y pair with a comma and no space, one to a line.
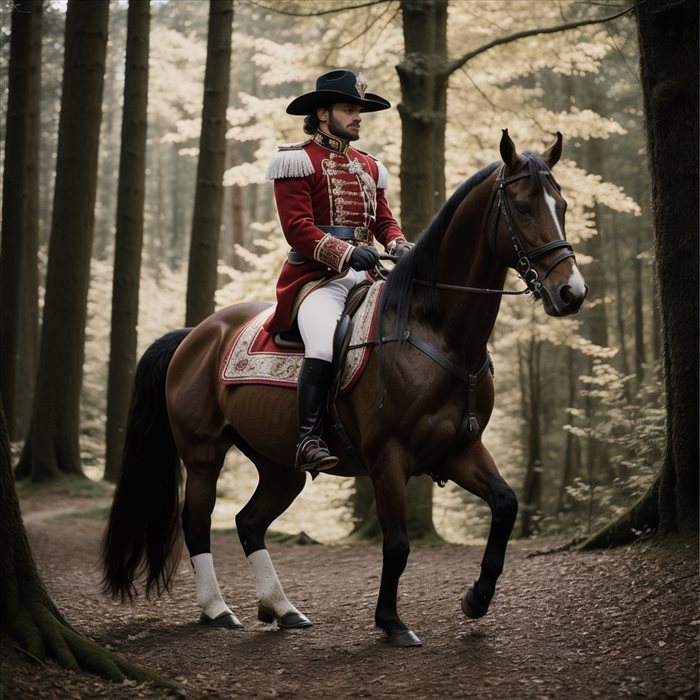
421,405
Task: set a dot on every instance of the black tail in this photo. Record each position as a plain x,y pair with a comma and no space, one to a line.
142,534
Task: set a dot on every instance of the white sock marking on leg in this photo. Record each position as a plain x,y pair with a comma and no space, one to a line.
267,585
209,596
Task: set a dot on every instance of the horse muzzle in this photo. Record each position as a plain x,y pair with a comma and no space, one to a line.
566,298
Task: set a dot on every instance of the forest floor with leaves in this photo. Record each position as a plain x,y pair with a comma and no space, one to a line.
603,624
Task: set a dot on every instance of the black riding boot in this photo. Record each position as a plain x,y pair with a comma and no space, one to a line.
312,393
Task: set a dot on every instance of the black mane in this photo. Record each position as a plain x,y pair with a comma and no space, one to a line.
400,293
420,263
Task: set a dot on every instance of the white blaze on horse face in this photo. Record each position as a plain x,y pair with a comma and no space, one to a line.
575,281
552,205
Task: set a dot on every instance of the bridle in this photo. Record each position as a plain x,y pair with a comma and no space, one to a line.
525,257
498,203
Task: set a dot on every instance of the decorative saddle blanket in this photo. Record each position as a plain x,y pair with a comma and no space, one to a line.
254,358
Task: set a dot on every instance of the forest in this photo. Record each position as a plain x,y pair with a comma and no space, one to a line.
592,382
135,137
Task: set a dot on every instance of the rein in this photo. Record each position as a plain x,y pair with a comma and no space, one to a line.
525,258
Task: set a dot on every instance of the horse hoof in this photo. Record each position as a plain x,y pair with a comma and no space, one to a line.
404,638
471,607
289,621
226,619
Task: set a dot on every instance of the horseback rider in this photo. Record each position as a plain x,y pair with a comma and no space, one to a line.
332,206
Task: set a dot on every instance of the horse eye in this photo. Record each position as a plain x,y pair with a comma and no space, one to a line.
522,207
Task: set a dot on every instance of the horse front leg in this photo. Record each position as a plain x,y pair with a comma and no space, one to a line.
476,472
390,497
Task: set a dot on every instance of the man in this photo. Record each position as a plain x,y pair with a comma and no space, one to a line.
331,204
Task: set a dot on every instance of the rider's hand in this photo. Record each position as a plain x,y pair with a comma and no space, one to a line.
364,258
402,248
398,248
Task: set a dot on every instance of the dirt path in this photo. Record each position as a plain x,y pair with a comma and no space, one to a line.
563,625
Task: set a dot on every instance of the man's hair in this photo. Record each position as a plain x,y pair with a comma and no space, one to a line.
311,123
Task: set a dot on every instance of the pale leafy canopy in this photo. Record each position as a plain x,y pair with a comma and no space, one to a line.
519,86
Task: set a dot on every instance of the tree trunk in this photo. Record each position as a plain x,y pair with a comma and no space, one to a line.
52,446
129,236
19,303
206,218
237,212
572,455
532,486
28,616
423,77
669,73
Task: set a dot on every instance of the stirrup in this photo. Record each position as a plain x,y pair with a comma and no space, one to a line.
313,456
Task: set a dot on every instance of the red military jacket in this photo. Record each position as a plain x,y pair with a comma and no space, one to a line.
324,182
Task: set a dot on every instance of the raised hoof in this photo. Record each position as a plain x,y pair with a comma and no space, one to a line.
404,638
472,608
289,621
226,619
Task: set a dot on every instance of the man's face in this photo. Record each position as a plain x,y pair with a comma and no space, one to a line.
342,120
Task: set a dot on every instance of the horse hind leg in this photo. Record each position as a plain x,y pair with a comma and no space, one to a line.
276,490
200,498
477,473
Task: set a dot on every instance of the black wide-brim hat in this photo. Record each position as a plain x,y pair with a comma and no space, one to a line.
338,86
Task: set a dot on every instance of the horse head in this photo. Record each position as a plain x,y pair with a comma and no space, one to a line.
528,227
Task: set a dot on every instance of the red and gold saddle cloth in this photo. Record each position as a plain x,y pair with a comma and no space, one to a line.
254,358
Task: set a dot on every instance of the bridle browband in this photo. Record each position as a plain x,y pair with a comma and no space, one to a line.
499,202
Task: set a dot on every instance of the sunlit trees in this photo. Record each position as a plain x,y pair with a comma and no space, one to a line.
581,82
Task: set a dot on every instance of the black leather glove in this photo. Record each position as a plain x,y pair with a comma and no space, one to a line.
402,248
398,248
364,258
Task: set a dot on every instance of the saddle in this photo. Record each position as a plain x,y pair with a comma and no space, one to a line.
291,339
256,357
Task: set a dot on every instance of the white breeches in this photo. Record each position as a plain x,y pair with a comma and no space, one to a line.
319,313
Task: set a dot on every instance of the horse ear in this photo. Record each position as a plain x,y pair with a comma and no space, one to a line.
552,155
510,157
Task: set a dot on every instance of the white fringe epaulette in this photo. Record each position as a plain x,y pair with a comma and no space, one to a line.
383,179
290,160
383,174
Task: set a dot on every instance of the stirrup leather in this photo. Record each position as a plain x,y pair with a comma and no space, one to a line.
313,455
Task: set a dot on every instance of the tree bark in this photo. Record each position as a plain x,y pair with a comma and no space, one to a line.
669,73
28,616
52,446
129,236
19,284
572,455
423,77
532,486
206,218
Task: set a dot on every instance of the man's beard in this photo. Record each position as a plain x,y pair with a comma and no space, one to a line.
340,131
